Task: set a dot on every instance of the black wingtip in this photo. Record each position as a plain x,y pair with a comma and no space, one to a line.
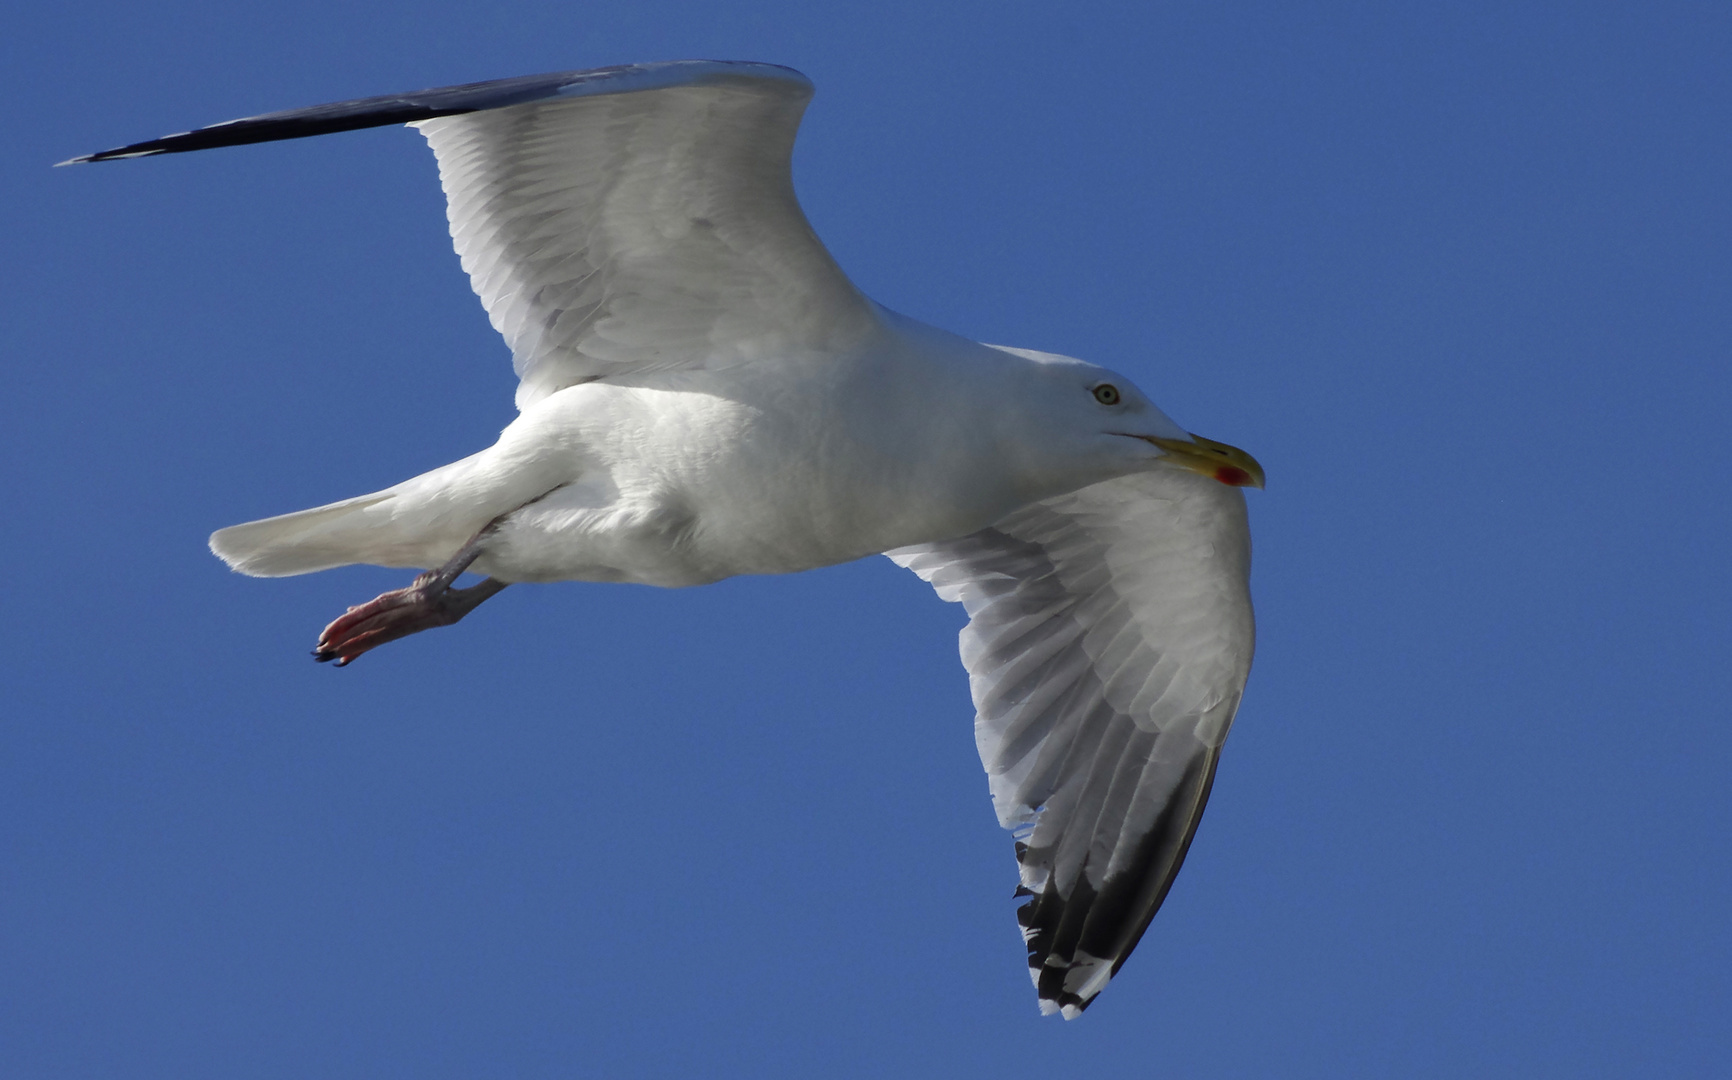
419,105
1070,936
109,155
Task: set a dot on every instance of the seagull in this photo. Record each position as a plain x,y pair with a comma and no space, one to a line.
703,393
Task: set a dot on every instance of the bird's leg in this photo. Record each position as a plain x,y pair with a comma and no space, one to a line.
429,601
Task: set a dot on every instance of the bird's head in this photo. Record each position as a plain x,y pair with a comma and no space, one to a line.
1096,421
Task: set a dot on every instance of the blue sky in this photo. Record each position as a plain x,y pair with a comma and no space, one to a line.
1457,275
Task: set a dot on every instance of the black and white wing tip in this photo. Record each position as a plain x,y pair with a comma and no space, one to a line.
1078,942
445,101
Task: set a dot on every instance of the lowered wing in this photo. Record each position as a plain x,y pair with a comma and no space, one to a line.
1109,640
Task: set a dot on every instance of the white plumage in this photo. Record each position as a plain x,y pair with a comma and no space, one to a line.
703,393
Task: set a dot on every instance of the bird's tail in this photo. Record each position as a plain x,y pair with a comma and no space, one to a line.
418,523
307,540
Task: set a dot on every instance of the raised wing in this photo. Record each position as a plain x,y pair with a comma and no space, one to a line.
1109,640
617,220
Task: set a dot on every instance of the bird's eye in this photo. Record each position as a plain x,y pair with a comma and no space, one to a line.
1107,394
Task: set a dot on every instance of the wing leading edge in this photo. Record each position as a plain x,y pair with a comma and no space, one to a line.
416,105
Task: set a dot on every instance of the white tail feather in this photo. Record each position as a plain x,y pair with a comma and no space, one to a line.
419,523
300,543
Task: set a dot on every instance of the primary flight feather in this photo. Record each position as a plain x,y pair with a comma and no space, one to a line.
704,393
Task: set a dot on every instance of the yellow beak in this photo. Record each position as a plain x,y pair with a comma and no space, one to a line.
1218,461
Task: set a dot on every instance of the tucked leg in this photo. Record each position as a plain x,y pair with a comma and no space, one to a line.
429,601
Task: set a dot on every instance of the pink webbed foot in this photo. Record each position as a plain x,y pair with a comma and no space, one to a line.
425,604
429,601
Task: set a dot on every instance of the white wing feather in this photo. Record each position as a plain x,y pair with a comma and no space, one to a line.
1109,640
647,230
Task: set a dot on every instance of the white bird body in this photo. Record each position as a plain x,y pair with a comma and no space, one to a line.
703,393
684,477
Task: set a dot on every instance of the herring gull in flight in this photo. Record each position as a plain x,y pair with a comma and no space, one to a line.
704,393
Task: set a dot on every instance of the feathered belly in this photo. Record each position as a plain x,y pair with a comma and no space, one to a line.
680,489
678,534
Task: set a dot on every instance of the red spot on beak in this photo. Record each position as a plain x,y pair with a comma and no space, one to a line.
1233,476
